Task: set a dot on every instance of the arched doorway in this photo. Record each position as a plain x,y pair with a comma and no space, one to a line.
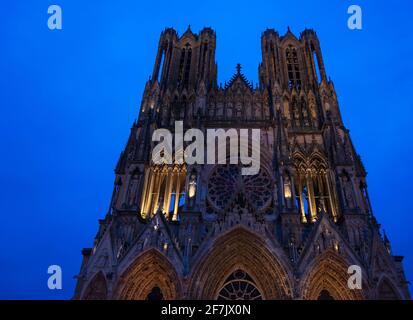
150,277
238,258
327,279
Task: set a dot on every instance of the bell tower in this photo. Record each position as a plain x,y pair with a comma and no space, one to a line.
186,61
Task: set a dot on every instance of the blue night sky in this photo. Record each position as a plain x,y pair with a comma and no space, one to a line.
68,99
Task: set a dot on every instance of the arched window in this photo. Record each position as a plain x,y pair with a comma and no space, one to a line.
239,286
161,71
187,67
203,63
181,66
168,55
293,68
274,62
316,64
316,67
161,63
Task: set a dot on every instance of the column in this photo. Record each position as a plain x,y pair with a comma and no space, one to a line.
150,191
144,195
311,200
177,192
157,190
302,208
168,192
331,196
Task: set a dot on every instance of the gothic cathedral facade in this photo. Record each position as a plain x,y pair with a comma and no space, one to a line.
200,231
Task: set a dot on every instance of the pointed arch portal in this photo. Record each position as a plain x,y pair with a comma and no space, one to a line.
151,273
234,260
327,280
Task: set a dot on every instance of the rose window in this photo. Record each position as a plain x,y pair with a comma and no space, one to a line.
226,182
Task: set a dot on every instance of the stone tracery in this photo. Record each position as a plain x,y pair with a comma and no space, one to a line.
226,182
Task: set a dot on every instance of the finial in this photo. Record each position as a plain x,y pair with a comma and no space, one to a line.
238,68
288,29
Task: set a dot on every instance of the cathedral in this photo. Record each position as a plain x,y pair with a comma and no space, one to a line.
204,231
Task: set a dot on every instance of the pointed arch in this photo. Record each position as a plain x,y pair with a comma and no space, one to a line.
318,160
328,274
300,160
150,270
240,249
97,288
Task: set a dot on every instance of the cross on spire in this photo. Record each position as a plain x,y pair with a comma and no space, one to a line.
238,68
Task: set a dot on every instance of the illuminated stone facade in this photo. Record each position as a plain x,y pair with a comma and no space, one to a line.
207,232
